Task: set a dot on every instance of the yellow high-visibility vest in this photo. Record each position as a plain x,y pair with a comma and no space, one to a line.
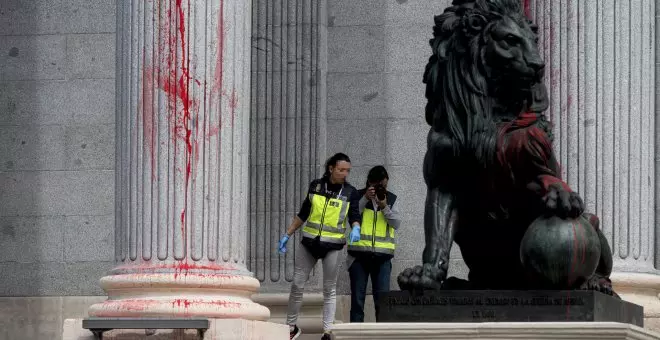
327,218
375,234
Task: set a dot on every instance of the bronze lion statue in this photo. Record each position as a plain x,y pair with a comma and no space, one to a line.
493,183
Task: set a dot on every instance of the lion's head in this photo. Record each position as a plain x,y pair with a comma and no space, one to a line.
485,67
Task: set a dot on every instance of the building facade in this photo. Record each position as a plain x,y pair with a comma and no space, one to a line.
276,87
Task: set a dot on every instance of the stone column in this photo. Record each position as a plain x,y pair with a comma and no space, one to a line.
288,117
600,59
287,147
183,99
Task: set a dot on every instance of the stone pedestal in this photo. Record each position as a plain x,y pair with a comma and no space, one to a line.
183,98
492,331
220,329
507,306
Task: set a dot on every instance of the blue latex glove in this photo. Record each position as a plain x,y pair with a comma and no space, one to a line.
355,235
282,246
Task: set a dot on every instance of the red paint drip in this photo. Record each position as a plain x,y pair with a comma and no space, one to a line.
571,274
182,265
185,303
179,302
526,7
183,86
177,88
217,85
148,116
233,103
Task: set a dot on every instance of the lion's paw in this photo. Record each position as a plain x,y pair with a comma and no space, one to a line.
426,277
563,203
599,284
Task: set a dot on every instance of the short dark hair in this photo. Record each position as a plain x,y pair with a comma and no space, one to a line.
332,161
377,174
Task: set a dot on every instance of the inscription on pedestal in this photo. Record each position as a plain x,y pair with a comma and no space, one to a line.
511,306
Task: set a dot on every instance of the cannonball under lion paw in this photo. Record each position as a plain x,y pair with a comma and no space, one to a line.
561,253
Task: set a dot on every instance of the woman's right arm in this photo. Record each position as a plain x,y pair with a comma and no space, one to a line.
295,224
302,216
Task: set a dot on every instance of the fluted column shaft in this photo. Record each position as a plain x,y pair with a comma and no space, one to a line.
600,73
183,99
287,149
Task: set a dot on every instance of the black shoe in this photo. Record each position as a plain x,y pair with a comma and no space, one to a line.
295,333
326,336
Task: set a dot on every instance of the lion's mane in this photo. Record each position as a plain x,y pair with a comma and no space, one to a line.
460,102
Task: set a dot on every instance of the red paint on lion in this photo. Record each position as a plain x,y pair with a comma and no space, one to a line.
522,141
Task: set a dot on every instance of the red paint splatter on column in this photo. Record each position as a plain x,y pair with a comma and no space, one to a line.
172,76
185,303
233,103
146,108
217,81
182,92
179,302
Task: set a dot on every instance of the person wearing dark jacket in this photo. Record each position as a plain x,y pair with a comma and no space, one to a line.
372,255
330,201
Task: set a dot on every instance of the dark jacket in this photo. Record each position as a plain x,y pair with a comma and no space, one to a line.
391,215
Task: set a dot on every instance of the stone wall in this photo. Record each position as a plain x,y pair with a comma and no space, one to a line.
57,125
600,75
287,128
377,51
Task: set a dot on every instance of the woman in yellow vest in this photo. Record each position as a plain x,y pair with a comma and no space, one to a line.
330,201
372,255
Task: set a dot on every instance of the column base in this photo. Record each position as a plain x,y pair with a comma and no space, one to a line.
221,296
491,331
220,329
641,289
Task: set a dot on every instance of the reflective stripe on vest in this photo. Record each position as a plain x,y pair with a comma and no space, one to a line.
327,219
375,234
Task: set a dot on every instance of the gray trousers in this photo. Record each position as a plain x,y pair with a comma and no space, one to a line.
304,264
